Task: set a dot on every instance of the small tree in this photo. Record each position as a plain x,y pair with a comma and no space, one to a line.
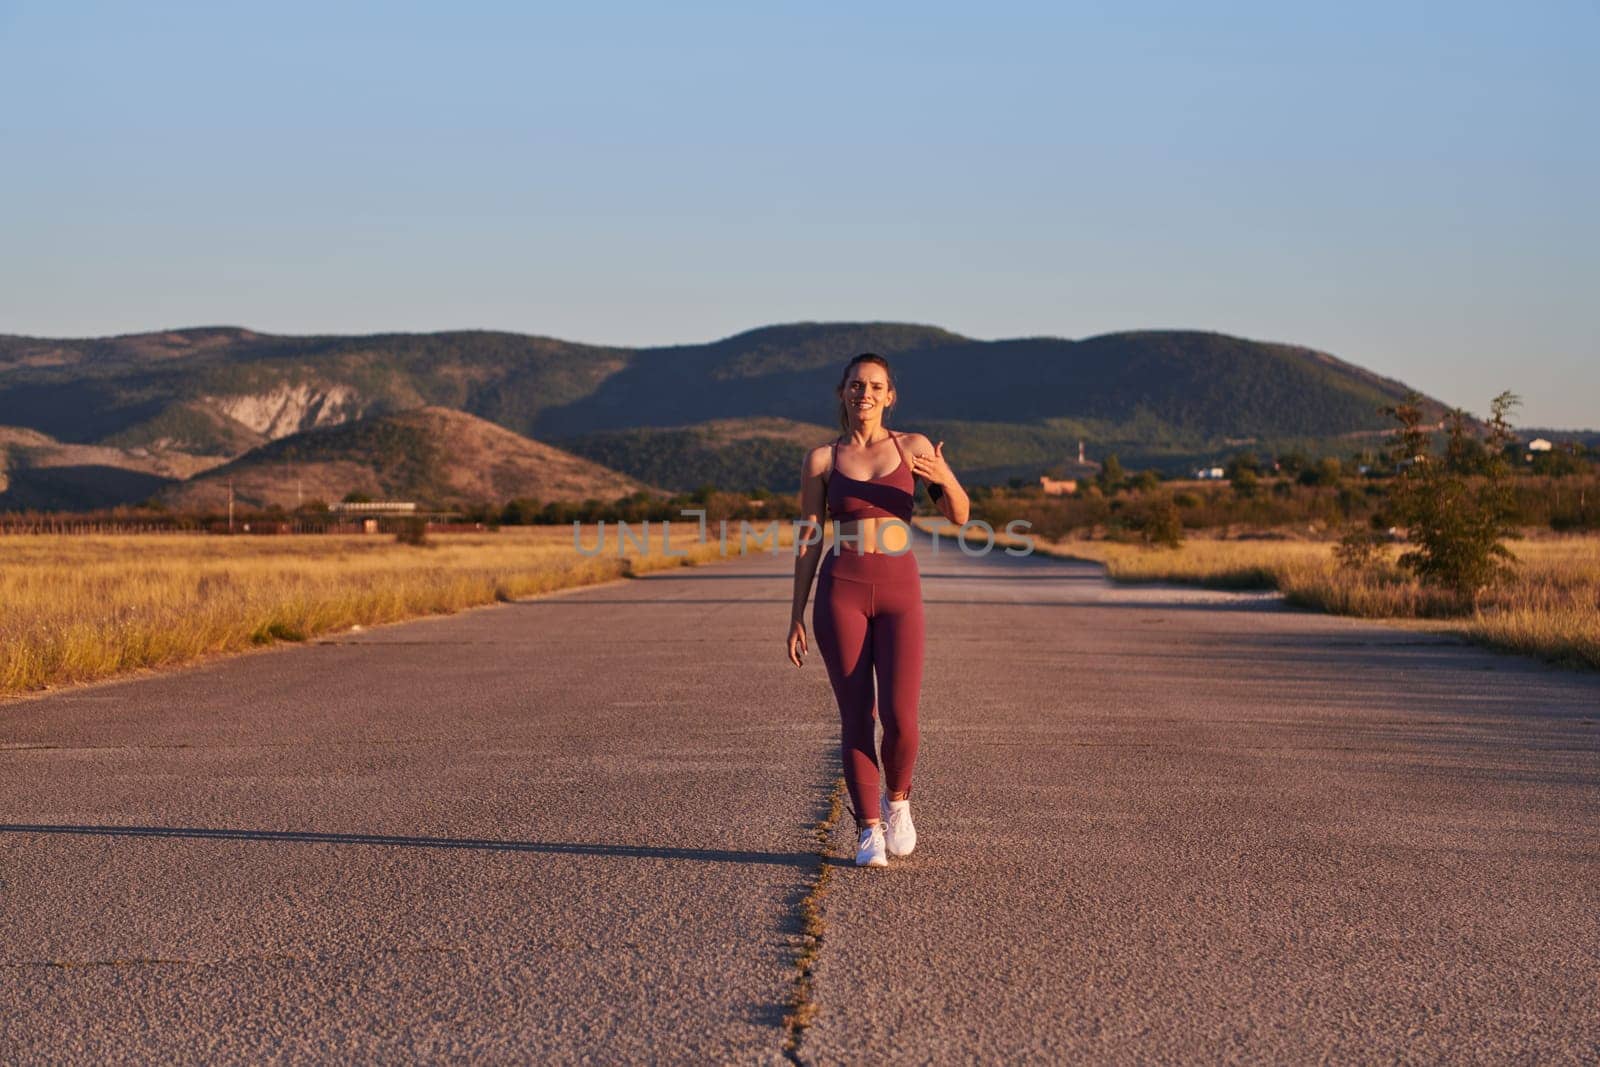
1325,471
1110,476
1244,473
521,511
1293,462
1464,453
1456,519
413,531
1160,525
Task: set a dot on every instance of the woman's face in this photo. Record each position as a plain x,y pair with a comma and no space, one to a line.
867,392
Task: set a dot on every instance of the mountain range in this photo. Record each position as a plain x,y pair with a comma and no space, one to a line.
170,412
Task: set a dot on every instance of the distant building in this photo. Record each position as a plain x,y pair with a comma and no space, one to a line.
1210,473
1539,444
1065,477
375,507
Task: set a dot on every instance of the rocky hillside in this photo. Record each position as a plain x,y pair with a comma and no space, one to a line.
40,473
435,456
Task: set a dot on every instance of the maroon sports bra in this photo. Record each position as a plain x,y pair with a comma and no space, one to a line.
888,497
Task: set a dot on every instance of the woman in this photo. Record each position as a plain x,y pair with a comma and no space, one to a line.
868,615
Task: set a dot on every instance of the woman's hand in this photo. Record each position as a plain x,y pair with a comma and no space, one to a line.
932,468
797,642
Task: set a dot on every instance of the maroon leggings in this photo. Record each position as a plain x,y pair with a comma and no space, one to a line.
868,615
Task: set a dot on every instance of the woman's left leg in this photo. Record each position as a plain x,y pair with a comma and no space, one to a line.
897,652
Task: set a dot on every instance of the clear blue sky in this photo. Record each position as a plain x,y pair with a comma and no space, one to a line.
1409,186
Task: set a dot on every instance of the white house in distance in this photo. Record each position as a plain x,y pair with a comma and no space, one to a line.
1210,473
1539,444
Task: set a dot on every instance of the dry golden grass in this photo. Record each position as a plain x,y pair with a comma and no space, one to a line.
76,609
1550,608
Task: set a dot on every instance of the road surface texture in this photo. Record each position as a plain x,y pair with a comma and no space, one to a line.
1156,825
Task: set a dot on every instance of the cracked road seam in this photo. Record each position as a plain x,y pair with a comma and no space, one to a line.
802,1008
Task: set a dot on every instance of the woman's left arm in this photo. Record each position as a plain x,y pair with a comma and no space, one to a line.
928,463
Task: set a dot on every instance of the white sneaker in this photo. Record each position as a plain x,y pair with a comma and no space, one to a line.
900,836
870,852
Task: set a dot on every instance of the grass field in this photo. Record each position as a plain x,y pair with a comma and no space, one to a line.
1550,608
76,609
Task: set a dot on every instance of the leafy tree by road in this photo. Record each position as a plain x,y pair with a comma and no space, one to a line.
1457,508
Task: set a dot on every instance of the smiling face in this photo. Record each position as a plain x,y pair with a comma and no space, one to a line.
867,394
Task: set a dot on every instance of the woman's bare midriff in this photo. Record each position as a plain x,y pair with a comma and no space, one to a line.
874,534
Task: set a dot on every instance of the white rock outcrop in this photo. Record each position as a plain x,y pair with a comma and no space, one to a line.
290,408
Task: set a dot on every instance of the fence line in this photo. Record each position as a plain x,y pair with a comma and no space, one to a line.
253,527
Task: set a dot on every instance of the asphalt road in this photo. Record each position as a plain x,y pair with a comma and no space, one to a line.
1155,825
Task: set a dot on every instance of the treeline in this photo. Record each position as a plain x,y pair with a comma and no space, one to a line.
1121,509
637,507
1562,504
1556,489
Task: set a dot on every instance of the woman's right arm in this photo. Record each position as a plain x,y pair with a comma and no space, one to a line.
808,545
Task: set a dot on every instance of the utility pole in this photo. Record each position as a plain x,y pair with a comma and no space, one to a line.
230,505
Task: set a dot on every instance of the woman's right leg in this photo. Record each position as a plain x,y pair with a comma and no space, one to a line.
844,637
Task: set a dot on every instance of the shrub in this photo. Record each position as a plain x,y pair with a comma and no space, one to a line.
1244,473
1350,500
521,511
1358,549
1327,471
1153,522
1110,476
413,531
1456,518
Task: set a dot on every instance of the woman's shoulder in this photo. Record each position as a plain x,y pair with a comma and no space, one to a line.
912,439
824,449
818,459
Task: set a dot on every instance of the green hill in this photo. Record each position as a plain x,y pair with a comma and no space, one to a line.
727,453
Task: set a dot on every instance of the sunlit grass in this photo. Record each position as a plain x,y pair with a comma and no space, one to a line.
1550,607
76,609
